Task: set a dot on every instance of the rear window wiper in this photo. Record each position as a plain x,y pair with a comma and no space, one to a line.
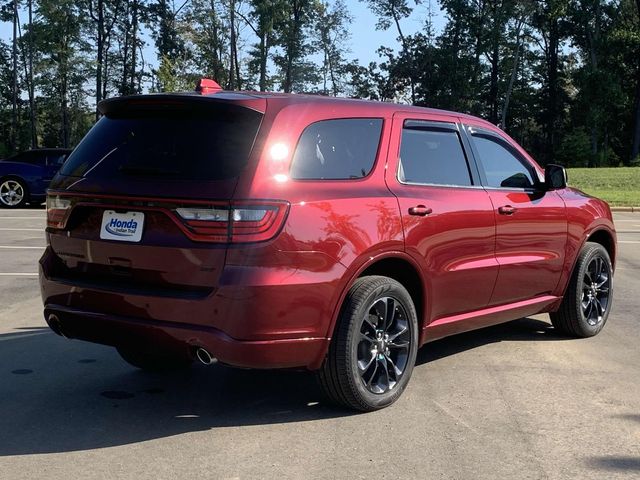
145,170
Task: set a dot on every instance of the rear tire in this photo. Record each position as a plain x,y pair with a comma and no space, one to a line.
373,352
588,299
154,361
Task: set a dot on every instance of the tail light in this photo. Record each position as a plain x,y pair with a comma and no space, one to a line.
58,210
242,222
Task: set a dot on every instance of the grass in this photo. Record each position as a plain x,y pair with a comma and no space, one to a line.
618,186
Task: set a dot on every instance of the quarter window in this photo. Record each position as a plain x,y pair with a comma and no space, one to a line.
337,149
432,156
502,168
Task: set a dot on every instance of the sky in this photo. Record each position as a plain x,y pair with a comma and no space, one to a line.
365,39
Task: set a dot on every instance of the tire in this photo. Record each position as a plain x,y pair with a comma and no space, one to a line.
153,361
370,363
13,193
588,299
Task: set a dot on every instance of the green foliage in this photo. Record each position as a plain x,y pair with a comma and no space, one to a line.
560,76
575,149
618,186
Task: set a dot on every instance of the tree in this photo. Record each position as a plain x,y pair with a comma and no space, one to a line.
163,19
332,24
296,72
391,12
61,70
104,14
262,19
129,43
209,39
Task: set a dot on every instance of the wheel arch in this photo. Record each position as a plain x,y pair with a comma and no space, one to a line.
397,265
604,238
600,235
405,273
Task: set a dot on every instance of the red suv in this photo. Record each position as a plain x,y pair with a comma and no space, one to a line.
287,231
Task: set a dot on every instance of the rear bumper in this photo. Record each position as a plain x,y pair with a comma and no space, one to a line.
268,319
115,331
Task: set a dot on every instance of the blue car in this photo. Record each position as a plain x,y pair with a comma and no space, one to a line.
25,177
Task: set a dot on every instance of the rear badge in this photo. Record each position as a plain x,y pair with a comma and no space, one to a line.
124,227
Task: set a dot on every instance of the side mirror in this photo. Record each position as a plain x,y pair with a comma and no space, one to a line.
555,177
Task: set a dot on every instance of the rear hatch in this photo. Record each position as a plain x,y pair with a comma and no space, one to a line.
143,204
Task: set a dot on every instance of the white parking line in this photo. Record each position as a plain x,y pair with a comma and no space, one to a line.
20,247
22,230
23,218
18,274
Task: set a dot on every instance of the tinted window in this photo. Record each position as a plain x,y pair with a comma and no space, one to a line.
34,158
432,156
501,166
56,159
206,145
337,149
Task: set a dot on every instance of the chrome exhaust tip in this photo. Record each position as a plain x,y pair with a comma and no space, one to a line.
55,325
205,357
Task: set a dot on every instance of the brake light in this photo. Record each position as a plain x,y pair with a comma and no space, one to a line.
240,223
58,210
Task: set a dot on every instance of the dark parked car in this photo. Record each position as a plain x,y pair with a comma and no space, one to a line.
288,231
25,177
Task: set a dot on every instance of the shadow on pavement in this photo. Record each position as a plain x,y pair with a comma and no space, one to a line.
58,395
627,464
524,329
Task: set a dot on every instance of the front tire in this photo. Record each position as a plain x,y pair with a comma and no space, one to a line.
587,301
374,348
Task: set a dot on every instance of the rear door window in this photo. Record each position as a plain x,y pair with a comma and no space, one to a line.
432,155
337,149
199,144
503,166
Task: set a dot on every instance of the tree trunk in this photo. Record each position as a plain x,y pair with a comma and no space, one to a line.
134,46
100,48
512,80
64,107
405,47
291,52
553,94
262,83
32,99
13,141
232,42
124,79
635,147
593,160
493,89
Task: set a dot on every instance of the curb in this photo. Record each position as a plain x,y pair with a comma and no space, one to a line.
626,209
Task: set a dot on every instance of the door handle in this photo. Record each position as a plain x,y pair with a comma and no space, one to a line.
420,211
507,210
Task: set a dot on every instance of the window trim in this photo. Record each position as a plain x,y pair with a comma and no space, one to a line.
470,130
437,126
351,180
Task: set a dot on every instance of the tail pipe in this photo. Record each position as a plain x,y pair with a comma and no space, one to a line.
205,357
55,325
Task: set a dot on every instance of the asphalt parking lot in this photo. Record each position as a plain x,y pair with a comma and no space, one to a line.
512,401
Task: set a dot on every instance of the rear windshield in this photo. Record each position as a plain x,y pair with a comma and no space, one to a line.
211,144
